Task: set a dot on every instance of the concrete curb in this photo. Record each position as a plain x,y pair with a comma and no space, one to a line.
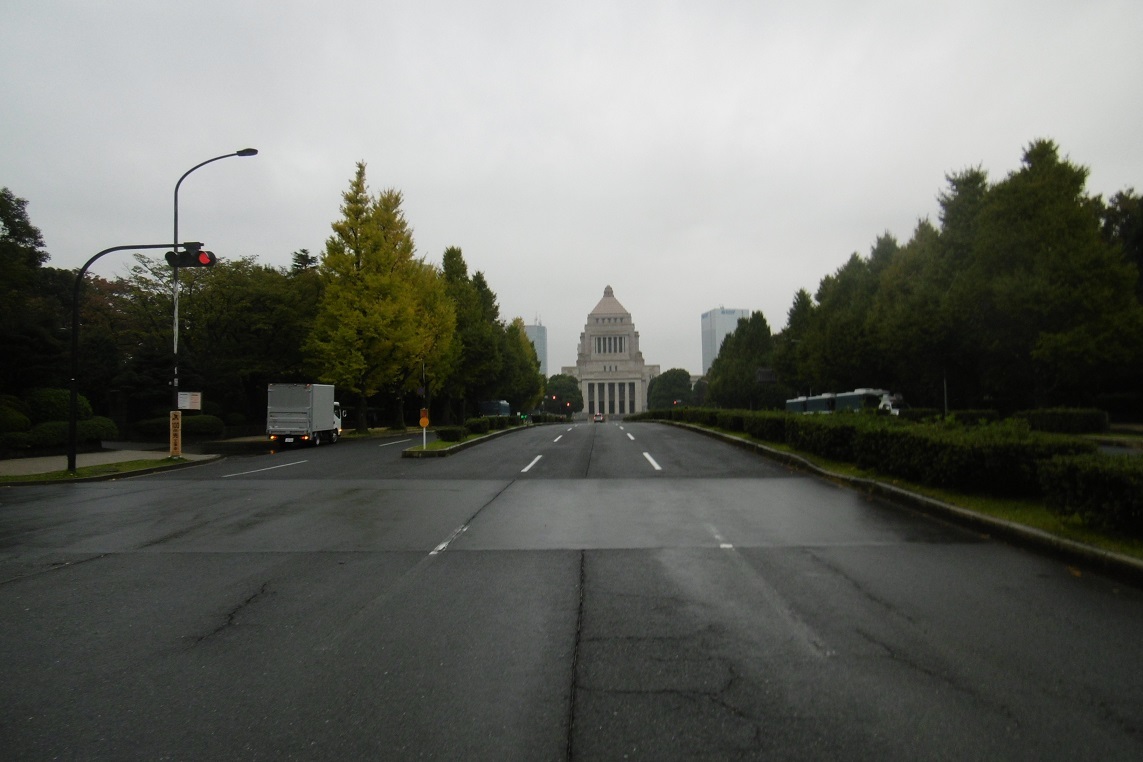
160,466
1113,564
444,452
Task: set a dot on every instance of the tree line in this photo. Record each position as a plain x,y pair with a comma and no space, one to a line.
367,315
1026,294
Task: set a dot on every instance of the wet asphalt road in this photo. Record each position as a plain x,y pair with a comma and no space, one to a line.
576,592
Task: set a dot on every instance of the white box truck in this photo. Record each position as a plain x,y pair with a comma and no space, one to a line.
302,414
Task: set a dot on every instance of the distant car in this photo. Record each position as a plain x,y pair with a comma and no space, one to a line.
598,418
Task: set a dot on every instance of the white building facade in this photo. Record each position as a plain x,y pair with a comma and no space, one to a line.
609,366
716,326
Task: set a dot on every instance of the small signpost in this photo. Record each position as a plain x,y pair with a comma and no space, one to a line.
176,433
424,428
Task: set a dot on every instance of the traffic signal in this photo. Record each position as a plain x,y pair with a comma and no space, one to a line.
192,258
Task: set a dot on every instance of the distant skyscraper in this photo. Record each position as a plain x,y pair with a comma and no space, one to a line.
716,326
538,335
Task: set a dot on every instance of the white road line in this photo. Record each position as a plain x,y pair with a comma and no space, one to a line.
651,460
630,437
271,468
529,466
444,545
561,436
722,543
390,444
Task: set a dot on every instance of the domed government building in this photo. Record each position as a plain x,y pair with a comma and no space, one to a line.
609,366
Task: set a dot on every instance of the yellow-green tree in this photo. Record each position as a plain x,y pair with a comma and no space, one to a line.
371,333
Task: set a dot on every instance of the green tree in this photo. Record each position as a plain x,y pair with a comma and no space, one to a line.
670,388
736,377
248,324
1053,312
568,396
35,304
520,381
1122,224
478,346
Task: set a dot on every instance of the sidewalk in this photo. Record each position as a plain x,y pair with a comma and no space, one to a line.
111,454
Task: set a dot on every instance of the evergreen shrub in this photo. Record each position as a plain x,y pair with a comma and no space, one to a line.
96,429
477,425
12,420
974,417
766,425
15,441
1066,420
55,405
451,433
1105,491
730,420
48,434
201,426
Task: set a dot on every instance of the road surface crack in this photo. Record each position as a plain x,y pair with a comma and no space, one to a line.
232,615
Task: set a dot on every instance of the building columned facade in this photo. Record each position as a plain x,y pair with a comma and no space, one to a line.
609,366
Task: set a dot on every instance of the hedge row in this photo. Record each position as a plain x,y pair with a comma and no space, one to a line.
451,433
1103,491
1000,458
1067,420
193,426
53,434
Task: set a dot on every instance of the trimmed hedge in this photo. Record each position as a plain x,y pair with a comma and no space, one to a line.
202,426
451,433
1103,490
477,425
55,405
53,434
974,417
768,426
12,420
1063,420
1000,458
193,425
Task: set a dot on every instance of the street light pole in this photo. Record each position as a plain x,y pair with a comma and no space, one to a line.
175,276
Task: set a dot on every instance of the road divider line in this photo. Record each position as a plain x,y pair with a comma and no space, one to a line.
722,543
651,460
390,444
444,545
528,467
630,437
561,436
270,468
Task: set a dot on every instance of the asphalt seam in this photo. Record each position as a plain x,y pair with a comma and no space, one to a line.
573,690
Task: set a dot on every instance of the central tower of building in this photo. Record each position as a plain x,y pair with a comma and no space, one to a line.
609,366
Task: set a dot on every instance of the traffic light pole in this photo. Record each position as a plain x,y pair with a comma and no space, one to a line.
73,413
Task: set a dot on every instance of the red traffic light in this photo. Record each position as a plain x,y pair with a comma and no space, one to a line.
197,258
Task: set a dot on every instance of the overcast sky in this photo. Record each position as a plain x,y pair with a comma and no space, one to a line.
690,155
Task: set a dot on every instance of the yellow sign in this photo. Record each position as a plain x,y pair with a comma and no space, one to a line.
176,433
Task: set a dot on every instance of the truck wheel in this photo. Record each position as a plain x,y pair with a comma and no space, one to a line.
317,438
333,437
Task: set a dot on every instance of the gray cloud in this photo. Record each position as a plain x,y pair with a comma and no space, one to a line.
727,153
